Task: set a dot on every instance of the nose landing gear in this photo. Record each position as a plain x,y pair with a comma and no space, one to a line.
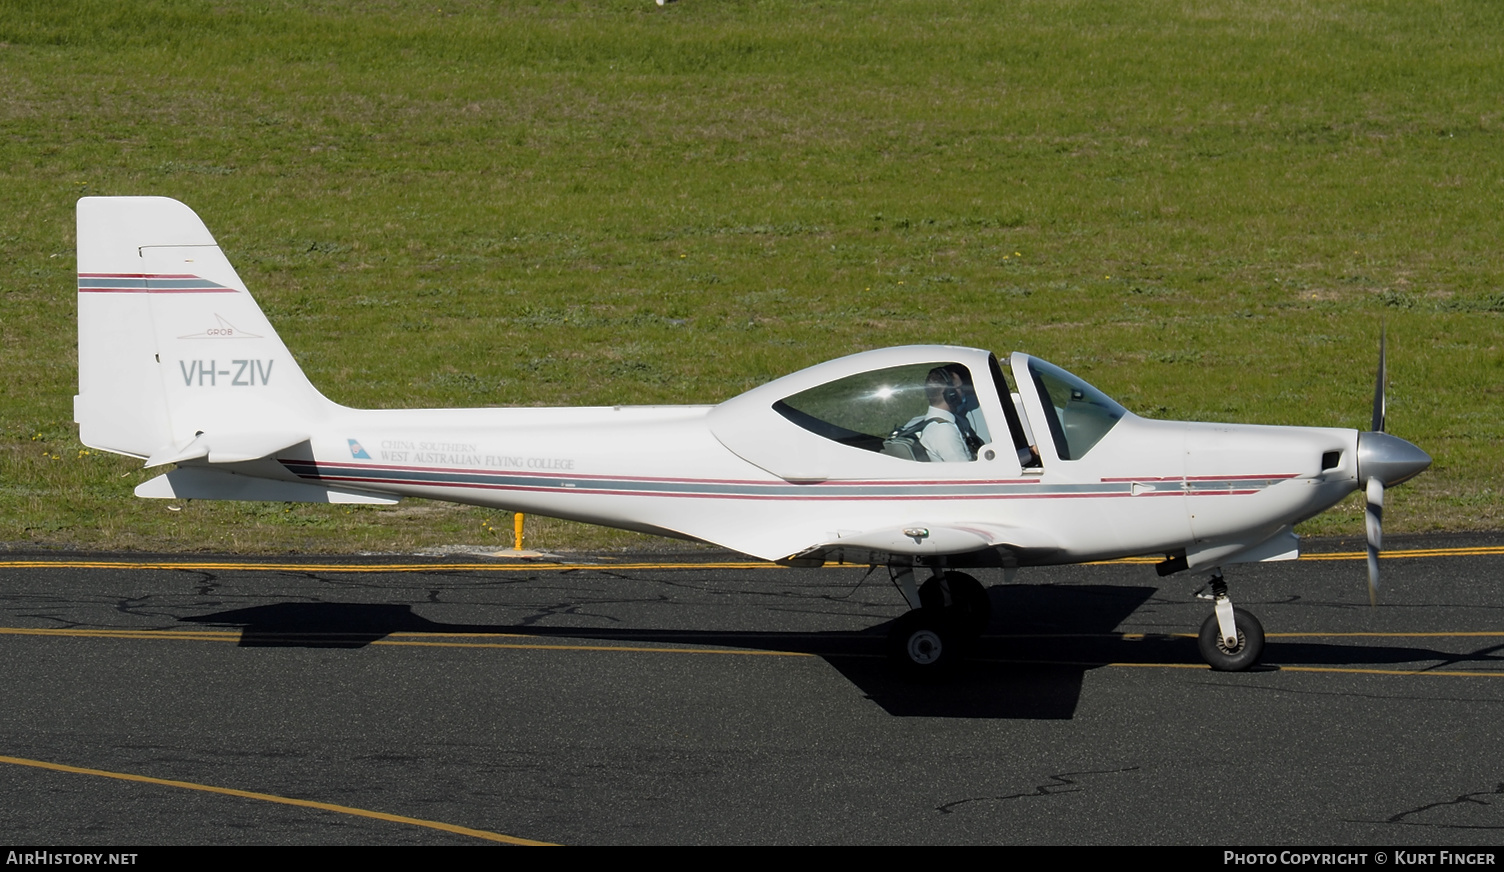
1231,639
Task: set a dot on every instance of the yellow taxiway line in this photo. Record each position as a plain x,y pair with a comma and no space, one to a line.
1144,637
224,565
1344,669
422,640
514,565
447,640
1476,551
270,797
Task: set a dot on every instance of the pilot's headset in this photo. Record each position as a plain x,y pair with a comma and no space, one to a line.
960,401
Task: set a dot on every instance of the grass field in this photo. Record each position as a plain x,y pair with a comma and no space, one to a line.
1206,209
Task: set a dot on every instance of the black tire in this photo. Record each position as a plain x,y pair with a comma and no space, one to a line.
1246,654
922,643
970,609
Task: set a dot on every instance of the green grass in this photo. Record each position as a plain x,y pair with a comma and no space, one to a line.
1205,209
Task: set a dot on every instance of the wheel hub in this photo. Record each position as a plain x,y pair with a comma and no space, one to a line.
1222,644
924,647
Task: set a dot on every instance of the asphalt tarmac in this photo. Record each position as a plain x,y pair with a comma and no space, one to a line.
707,699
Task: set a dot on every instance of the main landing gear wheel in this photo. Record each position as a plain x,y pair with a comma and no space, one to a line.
923,643
969,609
1250,645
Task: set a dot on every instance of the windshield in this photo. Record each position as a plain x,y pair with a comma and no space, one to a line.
1081,414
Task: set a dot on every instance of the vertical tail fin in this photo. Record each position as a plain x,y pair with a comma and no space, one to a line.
175,359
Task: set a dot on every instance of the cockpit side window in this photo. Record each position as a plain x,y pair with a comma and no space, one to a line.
1078,414
923,412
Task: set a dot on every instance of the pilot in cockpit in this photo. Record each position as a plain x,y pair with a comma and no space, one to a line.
944,434
969,412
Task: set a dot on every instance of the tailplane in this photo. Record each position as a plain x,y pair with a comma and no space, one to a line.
176,361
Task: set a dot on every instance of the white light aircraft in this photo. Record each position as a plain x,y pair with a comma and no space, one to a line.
922,459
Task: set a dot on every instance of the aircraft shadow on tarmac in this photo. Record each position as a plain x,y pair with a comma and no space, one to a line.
1030,663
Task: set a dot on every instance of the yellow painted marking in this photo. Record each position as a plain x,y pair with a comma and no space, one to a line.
625,648
1479,551
375,567
283,800
1130,637
1450,674
1352,670
431,640
445,640
174,635
428,640
1139,637
1448,635
1269,667
224,565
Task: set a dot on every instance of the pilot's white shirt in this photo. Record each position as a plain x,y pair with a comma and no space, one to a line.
942,439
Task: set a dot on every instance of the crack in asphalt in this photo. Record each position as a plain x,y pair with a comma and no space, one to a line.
576,609
798,593
1058,784
1464,799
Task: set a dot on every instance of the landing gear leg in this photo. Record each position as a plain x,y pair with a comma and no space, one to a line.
903,579
962,597
948,612
1231,639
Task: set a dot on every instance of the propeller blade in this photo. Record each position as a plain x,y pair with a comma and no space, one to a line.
1374,523
1379,405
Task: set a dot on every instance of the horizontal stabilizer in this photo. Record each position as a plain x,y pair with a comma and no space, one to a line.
227,447
198,483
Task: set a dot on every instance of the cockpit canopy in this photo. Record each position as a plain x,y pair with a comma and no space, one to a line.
890,413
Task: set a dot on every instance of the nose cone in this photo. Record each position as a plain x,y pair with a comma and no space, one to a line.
1389,459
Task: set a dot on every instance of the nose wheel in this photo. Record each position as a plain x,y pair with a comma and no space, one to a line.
1231,639
1245,650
